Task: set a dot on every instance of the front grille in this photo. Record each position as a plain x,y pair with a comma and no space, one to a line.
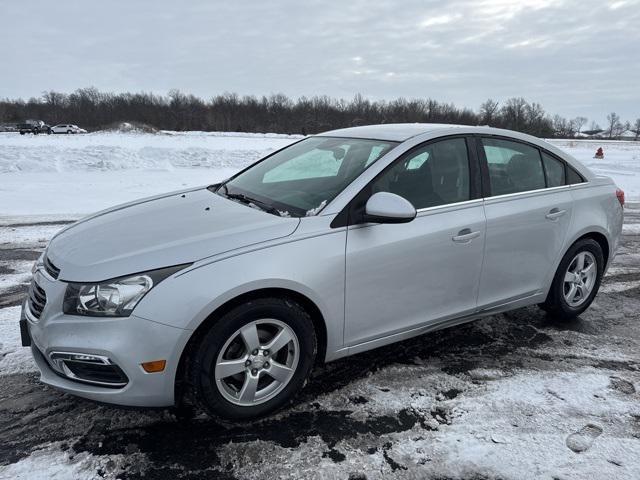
51,269
37,299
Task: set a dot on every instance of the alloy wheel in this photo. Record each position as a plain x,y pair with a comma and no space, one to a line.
257,362
580,278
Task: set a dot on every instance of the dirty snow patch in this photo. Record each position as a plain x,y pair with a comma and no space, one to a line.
14,358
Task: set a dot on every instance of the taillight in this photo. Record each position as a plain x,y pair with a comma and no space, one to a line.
620,195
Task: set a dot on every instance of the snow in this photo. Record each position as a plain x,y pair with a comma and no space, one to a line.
80,174
621,161
27,235
73,175
52,463
14,358
631,229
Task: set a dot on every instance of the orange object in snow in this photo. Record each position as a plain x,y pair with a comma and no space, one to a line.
599,153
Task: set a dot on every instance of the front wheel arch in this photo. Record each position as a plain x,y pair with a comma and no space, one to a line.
306,303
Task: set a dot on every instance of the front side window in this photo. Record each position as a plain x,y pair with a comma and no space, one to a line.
432,175
301,179
513,167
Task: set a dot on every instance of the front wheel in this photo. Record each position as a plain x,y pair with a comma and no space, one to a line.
577,280
253,360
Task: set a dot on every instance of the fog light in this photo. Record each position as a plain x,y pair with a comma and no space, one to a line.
88,368
155,366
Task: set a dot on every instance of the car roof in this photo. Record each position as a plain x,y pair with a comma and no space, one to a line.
397,132
400,132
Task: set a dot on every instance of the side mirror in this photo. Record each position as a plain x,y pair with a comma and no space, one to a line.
385,207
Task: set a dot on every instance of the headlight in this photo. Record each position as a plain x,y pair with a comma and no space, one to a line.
113,298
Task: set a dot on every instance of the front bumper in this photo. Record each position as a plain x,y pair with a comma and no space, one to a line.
124,342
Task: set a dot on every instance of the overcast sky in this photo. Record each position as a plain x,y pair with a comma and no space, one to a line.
574,57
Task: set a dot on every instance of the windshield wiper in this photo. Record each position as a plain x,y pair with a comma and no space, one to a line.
251,201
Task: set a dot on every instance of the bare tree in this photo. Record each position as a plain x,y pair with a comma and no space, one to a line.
579,123
614,125
277,113
488,111
636,128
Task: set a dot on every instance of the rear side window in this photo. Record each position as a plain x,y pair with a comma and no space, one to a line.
513,167
573,176
554,169
432,175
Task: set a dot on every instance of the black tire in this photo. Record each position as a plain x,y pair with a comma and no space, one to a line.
22,132
69,132
36,131
200,382
555,304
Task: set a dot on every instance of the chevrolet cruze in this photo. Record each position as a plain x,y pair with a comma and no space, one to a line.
229,294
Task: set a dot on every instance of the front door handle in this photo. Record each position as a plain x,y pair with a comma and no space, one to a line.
555,213
465,236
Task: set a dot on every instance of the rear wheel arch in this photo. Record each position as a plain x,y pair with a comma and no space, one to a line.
597,236
602,241
305,302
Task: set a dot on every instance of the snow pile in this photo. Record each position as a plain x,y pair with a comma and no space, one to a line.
108,151
80,174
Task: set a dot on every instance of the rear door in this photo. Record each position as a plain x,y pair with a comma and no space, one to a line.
405,276
528,210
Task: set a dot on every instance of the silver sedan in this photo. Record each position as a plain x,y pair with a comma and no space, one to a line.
229,294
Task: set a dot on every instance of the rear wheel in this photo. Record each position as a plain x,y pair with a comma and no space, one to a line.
577,280
253,360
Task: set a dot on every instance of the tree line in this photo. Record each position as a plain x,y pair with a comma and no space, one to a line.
94,110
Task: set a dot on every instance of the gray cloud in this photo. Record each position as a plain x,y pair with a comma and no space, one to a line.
574,57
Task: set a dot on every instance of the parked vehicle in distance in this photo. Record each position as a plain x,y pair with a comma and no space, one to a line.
67,128
33,126
342,242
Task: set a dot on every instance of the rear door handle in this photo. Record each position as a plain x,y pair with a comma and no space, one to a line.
555,213
465,236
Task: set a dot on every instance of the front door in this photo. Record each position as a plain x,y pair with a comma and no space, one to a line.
404,276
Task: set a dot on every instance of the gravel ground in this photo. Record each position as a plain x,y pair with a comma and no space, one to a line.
513,396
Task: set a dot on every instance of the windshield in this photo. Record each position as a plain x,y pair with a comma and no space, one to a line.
301,179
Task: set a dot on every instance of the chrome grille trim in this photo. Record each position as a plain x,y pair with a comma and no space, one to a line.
37,300
51,269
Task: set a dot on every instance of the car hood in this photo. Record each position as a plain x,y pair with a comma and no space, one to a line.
160,231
